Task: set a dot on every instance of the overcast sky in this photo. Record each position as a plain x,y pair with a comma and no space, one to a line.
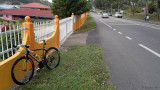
50,0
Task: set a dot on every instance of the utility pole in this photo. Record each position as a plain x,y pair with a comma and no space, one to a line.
158,10
118,5
111,8
147,4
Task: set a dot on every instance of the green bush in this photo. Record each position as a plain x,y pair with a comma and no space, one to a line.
37,20
138,10
20,20
152,8
14,22
127,9
1,20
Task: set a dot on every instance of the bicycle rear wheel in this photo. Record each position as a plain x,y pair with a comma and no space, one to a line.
52,58
22,70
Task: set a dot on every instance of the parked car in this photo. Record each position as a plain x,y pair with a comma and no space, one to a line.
110,14
105,15
99,13
118,15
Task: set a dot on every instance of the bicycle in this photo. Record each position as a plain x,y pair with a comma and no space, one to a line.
23,68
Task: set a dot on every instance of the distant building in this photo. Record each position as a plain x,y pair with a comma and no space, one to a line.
1,8
36,11
4,6
36,6
15,14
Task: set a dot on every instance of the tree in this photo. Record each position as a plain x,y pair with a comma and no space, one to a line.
64,8
158,9
15,2
152,7
133,4
147,4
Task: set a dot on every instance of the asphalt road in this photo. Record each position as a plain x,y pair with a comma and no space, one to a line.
132,51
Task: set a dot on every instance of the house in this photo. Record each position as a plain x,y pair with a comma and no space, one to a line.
36,6
36,11
15,14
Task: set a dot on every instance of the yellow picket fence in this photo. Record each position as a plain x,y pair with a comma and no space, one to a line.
28,39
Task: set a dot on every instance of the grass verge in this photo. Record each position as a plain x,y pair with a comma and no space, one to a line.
81,68
152,17
88,25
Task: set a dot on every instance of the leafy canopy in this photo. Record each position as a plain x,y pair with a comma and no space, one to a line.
64,8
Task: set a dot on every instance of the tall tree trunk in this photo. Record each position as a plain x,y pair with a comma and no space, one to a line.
147,4
152,2
158,9
133,10
133,5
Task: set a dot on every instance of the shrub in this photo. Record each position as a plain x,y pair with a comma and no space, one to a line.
14,22
152,8
138,10
7,27
20,20
8,21
1,20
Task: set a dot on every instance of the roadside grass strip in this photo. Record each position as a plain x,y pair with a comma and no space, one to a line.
152,17
82,67
88,25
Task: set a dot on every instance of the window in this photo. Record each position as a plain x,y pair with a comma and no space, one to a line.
7,15
1,15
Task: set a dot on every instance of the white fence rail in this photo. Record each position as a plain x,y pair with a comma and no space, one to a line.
66,28
10,35
43,30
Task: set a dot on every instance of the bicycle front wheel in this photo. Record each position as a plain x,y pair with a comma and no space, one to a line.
52,58
22,70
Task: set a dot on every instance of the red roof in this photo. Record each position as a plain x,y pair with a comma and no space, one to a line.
34,5
45,13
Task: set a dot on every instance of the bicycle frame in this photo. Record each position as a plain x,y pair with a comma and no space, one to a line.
31,55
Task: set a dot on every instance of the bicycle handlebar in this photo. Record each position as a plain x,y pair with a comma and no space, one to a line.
26,46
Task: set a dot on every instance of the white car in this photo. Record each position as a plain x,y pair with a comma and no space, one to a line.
118,15
99,13
105,15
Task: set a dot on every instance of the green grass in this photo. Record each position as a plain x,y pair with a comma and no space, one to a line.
152,17
88,25
81,68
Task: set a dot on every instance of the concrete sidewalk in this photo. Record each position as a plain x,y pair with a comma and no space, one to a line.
76,39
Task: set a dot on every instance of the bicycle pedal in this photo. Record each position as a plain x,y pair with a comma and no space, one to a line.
38,69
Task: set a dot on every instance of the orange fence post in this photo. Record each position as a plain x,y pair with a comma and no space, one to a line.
73,22
29,30
56,20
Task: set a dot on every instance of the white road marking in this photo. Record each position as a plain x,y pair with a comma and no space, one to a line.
128,38
103,22
155,27
119,32
114,29
150,50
